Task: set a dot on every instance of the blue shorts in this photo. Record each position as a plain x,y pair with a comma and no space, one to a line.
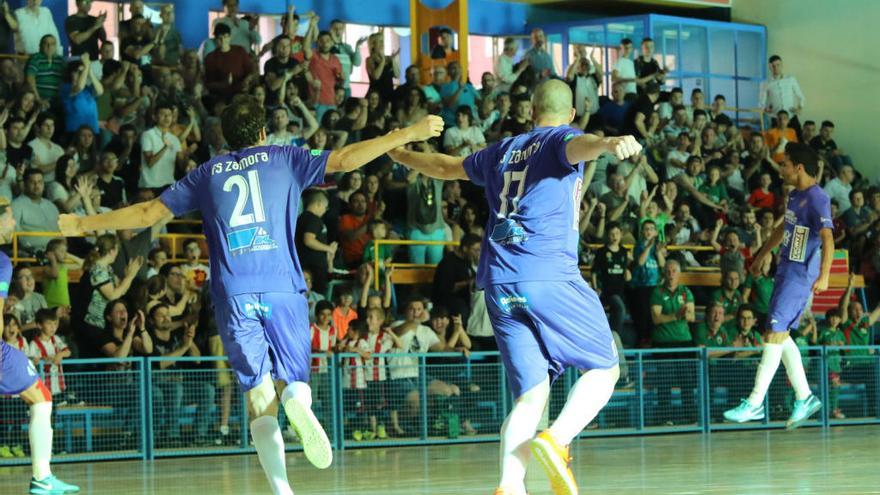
266,333
17,372
544,327
790,298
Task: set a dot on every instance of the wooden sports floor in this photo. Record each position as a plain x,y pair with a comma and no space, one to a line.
807,461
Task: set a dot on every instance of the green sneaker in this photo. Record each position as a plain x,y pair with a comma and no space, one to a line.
17,451
381,433
357,435
6,452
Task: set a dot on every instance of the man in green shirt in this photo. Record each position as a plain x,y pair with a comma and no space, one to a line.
712,331
672,308
858,330
729,293
832,335
45,70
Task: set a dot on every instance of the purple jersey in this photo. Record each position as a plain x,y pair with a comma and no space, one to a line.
807,213
534,201
249,201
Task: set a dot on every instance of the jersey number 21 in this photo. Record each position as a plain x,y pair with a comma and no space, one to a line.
249,187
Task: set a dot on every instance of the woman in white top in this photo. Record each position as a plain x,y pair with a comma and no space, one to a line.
62,191
464,138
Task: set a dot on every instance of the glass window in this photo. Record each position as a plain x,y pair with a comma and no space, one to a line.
748,55
666,45
694,49
722,50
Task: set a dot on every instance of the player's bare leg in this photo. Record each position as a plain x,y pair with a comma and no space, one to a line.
516,436
552,447
39,399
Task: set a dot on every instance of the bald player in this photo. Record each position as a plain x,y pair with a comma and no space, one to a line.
545,316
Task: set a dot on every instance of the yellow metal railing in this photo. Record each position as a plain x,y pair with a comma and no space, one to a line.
173,238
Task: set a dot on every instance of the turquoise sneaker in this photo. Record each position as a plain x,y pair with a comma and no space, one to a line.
50,485
744,412
803,409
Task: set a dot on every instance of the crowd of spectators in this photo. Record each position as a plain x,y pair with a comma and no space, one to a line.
92,127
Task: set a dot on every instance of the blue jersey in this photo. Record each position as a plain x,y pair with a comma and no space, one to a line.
534,199
249,201
807,213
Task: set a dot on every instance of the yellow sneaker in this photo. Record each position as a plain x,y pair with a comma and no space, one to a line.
502,491
556,461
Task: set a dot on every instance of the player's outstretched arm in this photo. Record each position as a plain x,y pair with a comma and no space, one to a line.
359,154
436,165
136,216
588,147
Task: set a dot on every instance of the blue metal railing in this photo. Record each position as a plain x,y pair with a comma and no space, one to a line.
663,390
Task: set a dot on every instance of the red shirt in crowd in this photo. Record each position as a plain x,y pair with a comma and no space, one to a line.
761,199
328,71
219,65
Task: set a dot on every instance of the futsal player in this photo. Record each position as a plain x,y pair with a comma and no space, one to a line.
249,201
801,271
18,377
544,314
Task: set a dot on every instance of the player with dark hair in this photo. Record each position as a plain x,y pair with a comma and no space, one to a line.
801,272
18,377
249,201
545,316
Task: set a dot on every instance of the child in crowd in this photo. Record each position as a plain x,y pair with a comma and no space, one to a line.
194,272
354,380
832,335
51,349
380,340
344,313
30,301
56,287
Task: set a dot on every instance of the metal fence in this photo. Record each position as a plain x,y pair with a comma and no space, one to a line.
144,408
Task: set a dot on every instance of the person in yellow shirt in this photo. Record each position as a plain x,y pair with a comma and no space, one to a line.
779,136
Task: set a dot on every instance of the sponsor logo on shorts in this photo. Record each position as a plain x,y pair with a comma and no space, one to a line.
515,301
249,240
256,310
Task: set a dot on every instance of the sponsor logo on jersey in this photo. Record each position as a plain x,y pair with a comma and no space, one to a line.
798,250
249,240
508,231
316,152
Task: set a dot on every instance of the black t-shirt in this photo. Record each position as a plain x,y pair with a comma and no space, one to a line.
514,127
139,245
610,270
820,147
643,105
308,222
17,156
82,24
452,269
112,193
163,347
645,69
6,45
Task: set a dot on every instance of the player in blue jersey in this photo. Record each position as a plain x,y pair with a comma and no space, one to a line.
545,316
19,377
801,272
249,201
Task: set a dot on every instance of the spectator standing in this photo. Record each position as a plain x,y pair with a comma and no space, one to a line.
840,187
455,275
349,57
326,69
648,259
85,31
506,70
51,349
424,217
781,92
160,149
315,253
610,274
382,69
242,35
45,71
229,69
170,46
32,22
624,72
647,69
79,96
672,309
354,229
539,57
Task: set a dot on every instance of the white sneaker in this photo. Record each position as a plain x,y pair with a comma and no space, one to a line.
316,445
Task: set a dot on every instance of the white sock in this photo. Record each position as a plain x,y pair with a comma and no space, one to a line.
794,368
270,451
40,436
770,359
588,396
516,433
299,391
